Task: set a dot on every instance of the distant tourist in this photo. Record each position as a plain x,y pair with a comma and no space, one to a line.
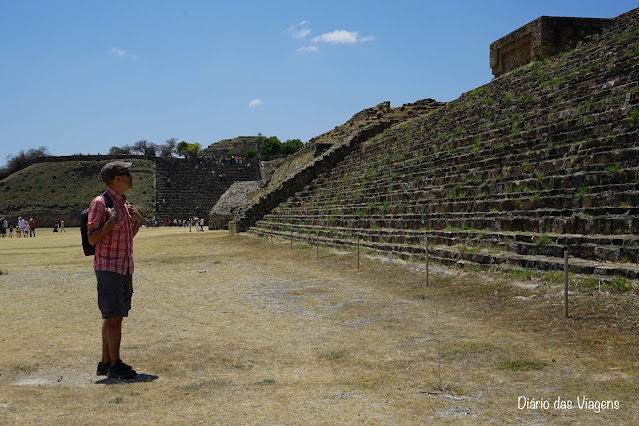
4,225
111,230
32,226
22,225
26,229
10,231
62,226
201,224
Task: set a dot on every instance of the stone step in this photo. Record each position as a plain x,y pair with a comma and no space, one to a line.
448,254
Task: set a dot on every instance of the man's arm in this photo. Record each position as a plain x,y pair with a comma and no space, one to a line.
137,217
96,235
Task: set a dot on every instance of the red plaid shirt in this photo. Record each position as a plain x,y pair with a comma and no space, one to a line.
115,252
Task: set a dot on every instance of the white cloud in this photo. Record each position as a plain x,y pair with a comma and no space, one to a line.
255,103
300,30
308,49
120,52
341,37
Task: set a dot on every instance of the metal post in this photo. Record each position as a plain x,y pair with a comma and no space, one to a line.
566,283
426,261
271,241
291,237
439,350
390,256
358,239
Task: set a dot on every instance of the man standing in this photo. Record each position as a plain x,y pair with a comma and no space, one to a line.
32,227
22,226
111,230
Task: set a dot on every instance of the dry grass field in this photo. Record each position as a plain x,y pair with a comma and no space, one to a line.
228,330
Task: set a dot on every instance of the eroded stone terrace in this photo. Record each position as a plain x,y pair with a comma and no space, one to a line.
540,159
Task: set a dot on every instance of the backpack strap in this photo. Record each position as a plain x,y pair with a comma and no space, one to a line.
107,199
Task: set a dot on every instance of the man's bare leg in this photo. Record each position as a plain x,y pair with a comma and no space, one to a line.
111,337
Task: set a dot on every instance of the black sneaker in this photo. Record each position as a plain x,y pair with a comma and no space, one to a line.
121,371
103,368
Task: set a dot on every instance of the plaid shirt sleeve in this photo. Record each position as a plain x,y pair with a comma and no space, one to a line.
97,212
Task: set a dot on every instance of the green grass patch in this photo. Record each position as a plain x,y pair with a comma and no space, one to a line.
477,144
520,273
582,192
555,276
619,283
544,240
612,169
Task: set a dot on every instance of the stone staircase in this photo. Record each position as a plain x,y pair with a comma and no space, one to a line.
539,160
188,188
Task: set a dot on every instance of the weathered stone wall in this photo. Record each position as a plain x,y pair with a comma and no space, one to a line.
237,146
544,37
230,203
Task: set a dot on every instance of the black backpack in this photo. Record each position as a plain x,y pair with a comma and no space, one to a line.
89,250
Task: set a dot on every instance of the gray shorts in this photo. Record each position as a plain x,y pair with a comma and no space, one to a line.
114,293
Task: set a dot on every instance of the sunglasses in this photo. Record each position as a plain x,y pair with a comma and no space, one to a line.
127,173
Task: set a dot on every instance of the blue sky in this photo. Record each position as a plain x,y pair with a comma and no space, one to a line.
82,76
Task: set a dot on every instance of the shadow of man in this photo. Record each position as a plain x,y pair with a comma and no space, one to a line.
137,379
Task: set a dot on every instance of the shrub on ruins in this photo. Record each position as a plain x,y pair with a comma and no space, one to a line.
23,159
271,146
291,146
149,149
145,147
168,148
250,153
189,150
120,150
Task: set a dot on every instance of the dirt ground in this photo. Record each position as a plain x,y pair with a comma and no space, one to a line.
228,330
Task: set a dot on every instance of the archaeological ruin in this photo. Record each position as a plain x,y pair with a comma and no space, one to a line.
541,160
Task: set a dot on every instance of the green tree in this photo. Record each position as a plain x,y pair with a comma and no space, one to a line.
291,146
182,149
271,146
193,150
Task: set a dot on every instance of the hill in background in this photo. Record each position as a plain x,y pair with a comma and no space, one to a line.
51,191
